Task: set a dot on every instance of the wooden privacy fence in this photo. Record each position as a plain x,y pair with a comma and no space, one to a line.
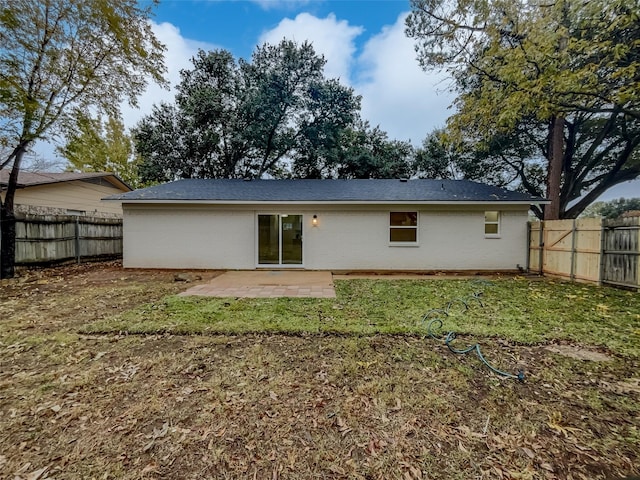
621,252
42,239
590,250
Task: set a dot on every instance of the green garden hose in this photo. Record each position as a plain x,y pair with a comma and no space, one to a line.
434,322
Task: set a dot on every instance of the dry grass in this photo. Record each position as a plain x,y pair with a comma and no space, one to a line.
270,406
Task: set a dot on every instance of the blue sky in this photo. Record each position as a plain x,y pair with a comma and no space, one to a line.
363,42
237,25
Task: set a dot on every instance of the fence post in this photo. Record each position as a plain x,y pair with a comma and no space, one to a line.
528,245
637,221
77,239
603,245
572,273
541,250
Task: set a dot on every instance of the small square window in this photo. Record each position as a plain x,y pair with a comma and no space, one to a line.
491,217
403,227
403,219
492,223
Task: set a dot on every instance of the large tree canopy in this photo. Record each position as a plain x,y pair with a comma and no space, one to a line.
368,153
58,57
97,145
239,119
357,152
549,88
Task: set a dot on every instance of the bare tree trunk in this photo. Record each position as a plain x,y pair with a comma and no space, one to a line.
8,221
554,173
8,241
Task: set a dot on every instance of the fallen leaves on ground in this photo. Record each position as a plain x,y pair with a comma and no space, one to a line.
287,407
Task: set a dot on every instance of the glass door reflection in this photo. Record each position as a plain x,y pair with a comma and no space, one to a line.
279,239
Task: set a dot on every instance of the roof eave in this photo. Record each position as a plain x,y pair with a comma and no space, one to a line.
112,178
327,202
118,182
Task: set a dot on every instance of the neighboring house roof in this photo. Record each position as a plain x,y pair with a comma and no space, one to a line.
325,191
631,213
29,179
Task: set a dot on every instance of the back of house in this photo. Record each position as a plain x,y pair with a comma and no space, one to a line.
372,225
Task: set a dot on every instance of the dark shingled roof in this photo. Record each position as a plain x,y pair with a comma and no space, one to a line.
325,191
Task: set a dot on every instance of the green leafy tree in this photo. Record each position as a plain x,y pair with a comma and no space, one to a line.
612,208
95,145
369,153
357,152
440,158
59,57
558,80
435,159
239,119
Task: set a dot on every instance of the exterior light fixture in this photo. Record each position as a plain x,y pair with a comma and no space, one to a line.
314,221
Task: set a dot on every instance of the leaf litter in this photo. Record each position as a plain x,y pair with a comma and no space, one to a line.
271,406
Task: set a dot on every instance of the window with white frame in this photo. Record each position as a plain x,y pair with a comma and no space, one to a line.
403,227
492,223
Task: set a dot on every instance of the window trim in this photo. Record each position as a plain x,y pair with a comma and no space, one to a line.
405,227
497,222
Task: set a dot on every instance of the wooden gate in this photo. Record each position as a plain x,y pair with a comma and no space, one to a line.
566,248
621,251
590,250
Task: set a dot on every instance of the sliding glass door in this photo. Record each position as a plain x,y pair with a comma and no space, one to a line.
279,239
268,239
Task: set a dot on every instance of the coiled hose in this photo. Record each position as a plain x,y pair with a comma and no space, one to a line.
434,322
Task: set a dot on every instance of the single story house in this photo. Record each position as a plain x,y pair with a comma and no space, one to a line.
65,193
326,225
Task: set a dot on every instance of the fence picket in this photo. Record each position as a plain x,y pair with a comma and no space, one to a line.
43,239
589,250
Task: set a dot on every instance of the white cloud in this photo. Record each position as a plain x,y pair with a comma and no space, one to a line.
330,37
396,93
273,4
178,56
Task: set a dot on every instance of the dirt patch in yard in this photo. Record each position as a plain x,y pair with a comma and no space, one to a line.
287,407
63,297
579,353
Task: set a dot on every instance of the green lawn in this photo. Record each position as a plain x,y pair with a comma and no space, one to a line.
518,310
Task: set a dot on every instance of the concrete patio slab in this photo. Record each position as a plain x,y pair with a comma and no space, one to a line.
267,284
